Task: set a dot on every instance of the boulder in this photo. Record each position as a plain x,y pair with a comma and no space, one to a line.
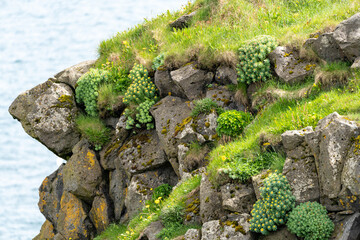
120,129
347,36
226,75
211,230
183,21
110,152
233,230
192,207
47,113
326,48
73,221
192,234
142,185
192,80
117,189
293,139
166,85
72,74
140,153
356,64
151,231
210,201
101,213
50,193
46,232
224,98
182,152
238,197
82,173
349,229
288,66
170,114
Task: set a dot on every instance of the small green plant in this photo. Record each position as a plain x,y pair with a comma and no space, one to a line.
140,117
205,106
94,130
162,191
87,90
158,61
232,123
172,218
272,209
254,65
310,221
118,77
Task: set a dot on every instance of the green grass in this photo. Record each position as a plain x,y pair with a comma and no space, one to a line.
205,106
220,27
148,215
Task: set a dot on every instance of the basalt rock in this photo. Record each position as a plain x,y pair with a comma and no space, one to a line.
238,197
117,190
224,98
225,75
46,232
166,84
210,201
192,234
183,21
151,231
102,212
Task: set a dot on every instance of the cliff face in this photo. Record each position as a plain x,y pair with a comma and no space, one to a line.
96,188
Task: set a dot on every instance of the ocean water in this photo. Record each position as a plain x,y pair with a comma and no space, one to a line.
38,39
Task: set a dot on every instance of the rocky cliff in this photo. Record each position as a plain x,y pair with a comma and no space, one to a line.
96,188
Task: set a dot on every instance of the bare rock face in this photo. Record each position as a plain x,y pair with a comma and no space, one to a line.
47,113
82,173
72,74
101,213
117,190
192,207
192,234
225,75
347,36
166,84
288,65
140,153
224,98
280,234
349,229
356,64
151,231
238,197
210,201
192,80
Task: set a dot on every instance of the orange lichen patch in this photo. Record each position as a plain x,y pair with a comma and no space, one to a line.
99,214
90,158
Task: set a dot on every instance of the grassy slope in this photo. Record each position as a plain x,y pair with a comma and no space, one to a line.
219,28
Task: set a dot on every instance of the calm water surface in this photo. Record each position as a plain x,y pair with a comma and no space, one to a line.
38,39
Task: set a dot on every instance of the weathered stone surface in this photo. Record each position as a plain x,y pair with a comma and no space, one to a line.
293,139
351,173
224,98
257,182
192,234
140,153
326,47
288,65
356,64
183,21
46,113
192,207
117,189
171,114
349,230
210,201
238,197
182,151
347,36
167,86
280,234
101,213
50,193
211,230
192,80
73,221
82,173
58,236
72,74
120,129
46,232
225,75
303,179
110,152
141,187
151,231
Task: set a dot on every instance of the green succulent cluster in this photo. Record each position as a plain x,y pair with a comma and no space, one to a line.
142,116
87,88
141,88
158,61
272,209
310,221
232,123
254,65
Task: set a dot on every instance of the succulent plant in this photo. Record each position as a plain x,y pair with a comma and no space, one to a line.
232,123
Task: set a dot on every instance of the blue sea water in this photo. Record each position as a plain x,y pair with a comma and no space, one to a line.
38,39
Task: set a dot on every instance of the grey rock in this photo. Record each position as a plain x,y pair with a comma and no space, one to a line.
140,153
351,172
211,230
224,98
288,65
182,150
350,229
110,152
82,173
192,207
46,113
225,75
101,213
50,193
280,234
58,236
167,86
210,201
324,123
141,186
46,231
170,114
72,74
192,234
257,182
238,197
117,190
183,21
356,64
151,231
192,80
292,139
120,129
303,179
347,36
326,47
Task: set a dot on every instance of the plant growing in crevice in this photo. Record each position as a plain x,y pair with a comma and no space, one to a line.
205,106
232,123
158,61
